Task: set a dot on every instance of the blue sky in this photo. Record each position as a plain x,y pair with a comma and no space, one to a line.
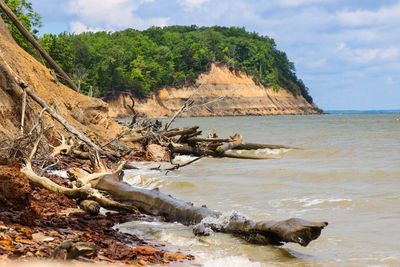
346,51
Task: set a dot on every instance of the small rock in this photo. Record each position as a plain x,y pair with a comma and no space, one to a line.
49,239
146,250
39,237
172,256
26,231
69,250
78,115
90,206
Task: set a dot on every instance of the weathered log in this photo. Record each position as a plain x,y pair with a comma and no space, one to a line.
185,149
90,206
207,140
236,140
264,232
233,154
23,112
156,203
36,44
252,146
182,131
80,154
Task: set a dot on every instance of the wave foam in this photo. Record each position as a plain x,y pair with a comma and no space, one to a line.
232,261
144,181
307,202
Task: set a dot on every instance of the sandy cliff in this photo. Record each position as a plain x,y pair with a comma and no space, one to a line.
237,93
88,115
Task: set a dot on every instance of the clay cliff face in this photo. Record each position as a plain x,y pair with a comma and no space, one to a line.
230,94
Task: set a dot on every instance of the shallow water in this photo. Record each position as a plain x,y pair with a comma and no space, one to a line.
346,173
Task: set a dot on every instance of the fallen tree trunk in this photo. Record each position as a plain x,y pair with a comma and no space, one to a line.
156,203
252,146
207,140
236,155
183,131
236,140
188,150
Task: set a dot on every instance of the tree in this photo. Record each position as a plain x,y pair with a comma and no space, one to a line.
28,17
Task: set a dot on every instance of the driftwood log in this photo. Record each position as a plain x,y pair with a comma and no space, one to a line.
156,203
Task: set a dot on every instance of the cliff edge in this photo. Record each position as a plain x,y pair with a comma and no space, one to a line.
227,93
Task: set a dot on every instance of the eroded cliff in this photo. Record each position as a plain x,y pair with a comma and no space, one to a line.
88,115
227,94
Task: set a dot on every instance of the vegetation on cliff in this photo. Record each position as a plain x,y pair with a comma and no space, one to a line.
145,61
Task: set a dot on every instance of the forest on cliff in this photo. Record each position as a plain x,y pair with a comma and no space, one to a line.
142,62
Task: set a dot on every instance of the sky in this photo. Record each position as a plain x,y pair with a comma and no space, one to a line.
347,52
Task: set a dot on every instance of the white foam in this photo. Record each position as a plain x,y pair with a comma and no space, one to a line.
62,174
144,181
223,220
317,201
264,152
183,158
305,201
231,261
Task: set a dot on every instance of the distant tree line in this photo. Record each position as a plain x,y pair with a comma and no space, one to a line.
142,62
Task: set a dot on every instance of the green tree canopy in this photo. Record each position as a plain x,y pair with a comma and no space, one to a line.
28,17
145,61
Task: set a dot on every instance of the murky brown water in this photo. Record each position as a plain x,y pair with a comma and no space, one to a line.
348,174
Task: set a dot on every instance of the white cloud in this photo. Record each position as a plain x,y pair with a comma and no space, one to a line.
365,55
111,14
389,80
191,4
78,27
384,15
317,63
294,3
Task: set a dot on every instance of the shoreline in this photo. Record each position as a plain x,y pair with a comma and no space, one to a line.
35,222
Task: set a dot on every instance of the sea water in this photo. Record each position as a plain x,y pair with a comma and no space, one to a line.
346,172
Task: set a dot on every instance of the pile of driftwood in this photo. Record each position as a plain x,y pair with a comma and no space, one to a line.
189,143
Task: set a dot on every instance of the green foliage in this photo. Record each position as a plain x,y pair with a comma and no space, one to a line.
29,18
144,61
